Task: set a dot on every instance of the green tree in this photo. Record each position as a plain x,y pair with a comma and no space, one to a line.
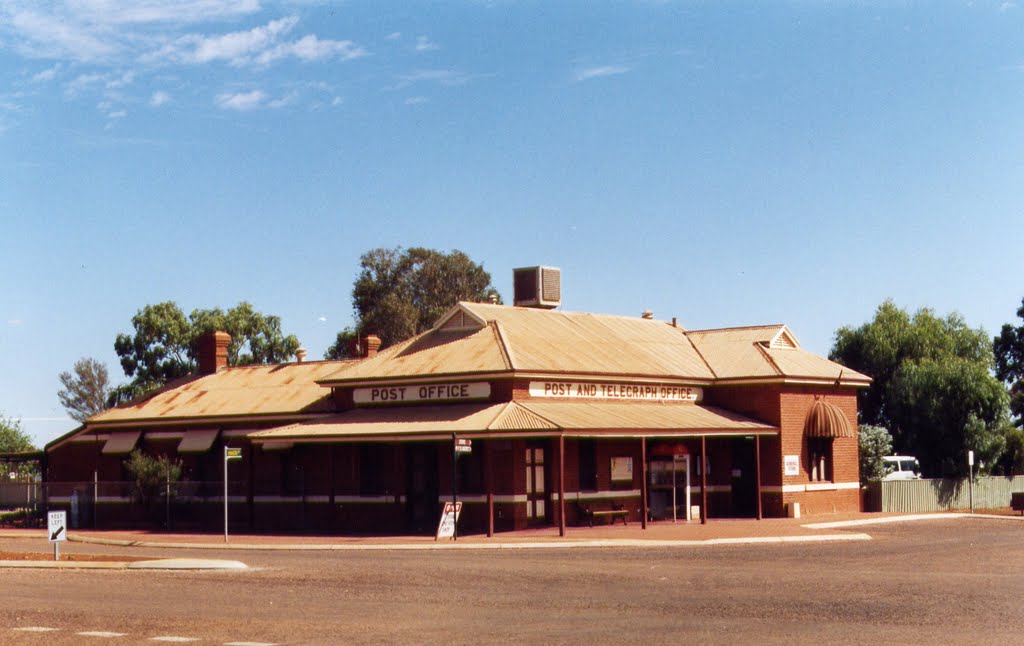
1012,460
151,475
932,386
1008,348
874,442
86,389
342,348
400,293
164,345
14,440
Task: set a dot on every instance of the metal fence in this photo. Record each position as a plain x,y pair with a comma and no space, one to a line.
24,494
943,494
184,504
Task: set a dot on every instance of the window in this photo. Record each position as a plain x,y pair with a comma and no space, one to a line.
819,453
588,465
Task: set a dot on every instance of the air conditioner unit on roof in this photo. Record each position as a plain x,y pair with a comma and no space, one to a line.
537,287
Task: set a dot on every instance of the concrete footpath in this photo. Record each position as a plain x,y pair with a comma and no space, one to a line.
834,527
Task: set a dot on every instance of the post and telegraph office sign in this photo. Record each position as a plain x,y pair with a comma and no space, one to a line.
632,392
425,393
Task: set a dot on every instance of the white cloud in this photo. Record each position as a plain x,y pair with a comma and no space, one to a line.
241,100
336,101
121,81
39,35
598,72
423,44
235,47
117,114
311,48
47,75
81,82
395,35
416,100
283,101
113,12
259,45
159,98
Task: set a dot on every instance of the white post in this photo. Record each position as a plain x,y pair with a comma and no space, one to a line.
970,481
225,494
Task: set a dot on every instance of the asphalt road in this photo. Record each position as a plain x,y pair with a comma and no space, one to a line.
924,582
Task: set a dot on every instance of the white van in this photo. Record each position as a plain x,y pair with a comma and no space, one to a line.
902,467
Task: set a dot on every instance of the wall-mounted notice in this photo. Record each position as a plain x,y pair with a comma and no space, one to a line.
791,465
622,468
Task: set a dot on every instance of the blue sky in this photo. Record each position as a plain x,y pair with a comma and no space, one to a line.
724,163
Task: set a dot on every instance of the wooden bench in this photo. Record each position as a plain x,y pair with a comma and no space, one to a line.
1017,501
617,511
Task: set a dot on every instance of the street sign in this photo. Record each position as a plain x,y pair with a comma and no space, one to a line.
463,445
230,453
449,517
57,526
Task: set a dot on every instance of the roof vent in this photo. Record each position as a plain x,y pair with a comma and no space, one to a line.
537,287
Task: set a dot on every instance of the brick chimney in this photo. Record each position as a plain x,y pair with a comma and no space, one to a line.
213,352
372,345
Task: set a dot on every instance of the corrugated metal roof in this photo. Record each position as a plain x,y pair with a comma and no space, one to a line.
747,352
532,340
437,352
512,416
251,390
405,421
635,416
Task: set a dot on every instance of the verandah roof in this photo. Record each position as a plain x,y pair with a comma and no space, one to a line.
518,419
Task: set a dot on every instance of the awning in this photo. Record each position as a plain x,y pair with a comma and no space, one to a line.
197,441
519,419
647,418
424,422
826,420
121,442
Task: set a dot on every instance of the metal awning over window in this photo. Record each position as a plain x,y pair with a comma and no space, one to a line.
121,442
197,441
826,420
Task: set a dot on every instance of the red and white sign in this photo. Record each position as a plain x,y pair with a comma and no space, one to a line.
463,445
450,516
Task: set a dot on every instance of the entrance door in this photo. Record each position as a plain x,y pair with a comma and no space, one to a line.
744,478
422,503
536,491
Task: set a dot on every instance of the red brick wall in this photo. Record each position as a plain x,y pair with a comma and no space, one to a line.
795,402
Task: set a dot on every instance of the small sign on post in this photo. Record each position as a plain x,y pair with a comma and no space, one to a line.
229,454
57,530
449,518
462,445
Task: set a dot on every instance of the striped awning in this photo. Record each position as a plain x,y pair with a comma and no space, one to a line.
826,420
